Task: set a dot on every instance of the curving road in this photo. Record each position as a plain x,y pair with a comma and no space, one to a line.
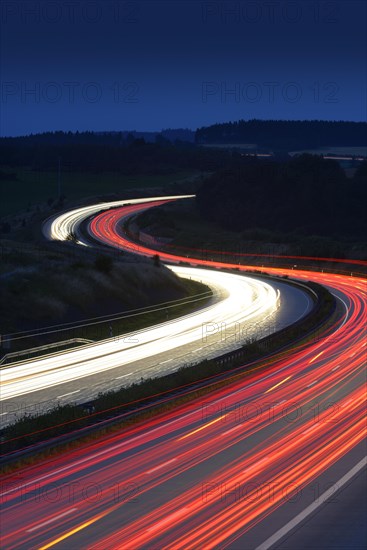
242,307
61,227
245,467
79,375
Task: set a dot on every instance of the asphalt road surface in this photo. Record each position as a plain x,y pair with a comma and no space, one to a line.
246,467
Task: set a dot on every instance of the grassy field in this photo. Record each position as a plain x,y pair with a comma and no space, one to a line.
335,150
36,188
249,146
41,288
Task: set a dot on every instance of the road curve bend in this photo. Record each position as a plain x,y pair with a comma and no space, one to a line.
239,469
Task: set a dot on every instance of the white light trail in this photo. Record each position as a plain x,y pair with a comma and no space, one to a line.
245,299
65,225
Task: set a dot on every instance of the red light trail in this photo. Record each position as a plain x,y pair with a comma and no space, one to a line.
208,473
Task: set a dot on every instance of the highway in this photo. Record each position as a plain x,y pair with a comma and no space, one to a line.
243,468
239,303
61,227
241,308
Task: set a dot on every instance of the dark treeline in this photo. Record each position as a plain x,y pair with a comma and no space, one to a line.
286,134
64,138
102,138
307,195
112,152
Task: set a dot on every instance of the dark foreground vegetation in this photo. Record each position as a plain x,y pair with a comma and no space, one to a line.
152,396
46,172
307,195
94,153
303,207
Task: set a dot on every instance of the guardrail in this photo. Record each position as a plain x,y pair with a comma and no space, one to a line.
30,351
225,366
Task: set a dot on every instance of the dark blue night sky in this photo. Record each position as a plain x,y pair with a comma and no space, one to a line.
147,65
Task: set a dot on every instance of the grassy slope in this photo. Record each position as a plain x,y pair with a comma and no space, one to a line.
39,290
37,187
185,223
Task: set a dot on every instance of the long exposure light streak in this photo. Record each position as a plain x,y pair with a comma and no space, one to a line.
243,300
225,471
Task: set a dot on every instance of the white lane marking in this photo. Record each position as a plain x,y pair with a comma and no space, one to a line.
308,429
231,430
163,362
2,414
262,460
67,512
161,466
124,375
256,464
280,403
313,506
335,368
312,383
168,519
66,394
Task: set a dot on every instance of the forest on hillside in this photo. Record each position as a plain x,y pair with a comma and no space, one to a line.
307,195
96,153
286,135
